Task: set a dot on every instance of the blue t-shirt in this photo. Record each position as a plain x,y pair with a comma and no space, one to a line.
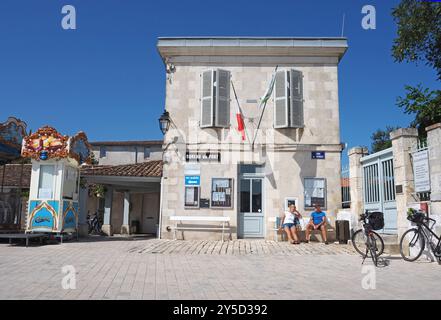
317,217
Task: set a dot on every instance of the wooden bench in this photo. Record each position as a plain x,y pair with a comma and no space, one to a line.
225,224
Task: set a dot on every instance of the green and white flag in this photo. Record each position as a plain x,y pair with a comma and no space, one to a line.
269,91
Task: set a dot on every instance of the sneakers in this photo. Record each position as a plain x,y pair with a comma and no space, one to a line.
326,242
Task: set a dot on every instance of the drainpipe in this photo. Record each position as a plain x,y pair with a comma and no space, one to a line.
160,207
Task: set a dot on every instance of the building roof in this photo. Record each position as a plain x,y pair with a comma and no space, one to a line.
254,46
144,169
128,143
14,175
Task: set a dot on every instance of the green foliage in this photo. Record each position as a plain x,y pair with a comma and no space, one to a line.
381,139
419,33
419,39
425,104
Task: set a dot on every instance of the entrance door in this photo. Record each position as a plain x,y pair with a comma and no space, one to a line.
150,213
379,187
251,217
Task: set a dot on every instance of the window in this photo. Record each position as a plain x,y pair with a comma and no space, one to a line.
221,192
146,152
215,99
192,197
103,151
46,182
315,192
288,99
70,183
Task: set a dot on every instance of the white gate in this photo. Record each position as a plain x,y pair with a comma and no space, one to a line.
379,187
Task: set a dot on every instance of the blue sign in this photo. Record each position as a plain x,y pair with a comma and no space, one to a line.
192,180
320,155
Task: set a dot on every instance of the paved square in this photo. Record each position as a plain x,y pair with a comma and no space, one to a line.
109,268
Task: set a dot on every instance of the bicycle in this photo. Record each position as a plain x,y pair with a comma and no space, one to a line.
94,224
413,241
366,241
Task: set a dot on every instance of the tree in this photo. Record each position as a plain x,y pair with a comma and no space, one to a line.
381,139
419,33
419,39
425,104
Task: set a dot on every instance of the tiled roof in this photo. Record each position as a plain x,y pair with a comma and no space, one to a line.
128,143
144,169
13,173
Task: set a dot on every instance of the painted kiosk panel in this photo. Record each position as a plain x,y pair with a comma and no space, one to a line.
54,190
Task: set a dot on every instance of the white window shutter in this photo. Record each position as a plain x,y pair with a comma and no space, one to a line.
222,105
281,100
296,96
207,99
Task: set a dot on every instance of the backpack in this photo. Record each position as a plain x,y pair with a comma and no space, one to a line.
376,220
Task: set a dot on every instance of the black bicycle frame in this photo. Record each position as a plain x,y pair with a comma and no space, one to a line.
424,228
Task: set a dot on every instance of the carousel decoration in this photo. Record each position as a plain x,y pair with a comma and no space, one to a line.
55,179
46,143
12,133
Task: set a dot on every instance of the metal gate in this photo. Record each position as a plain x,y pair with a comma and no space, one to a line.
379,187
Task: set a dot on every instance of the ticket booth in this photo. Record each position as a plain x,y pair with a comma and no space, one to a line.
54,192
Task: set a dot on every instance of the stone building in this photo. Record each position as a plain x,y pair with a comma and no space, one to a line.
209,170
130,174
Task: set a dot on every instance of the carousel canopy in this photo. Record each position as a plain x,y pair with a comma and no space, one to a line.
12,133
47,143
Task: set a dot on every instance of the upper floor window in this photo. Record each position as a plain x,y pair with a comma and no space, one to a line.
146,152
215,99
288,99
103,151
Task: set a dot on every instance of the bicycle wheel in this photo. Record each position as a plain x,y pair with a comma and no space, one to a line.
359,242
412,245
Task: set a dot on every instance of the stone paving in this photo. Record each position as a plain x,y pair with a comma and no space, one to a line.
109,268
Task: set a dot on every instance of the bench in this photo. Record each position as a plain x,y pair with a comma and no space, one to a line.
225,224
301,233
25,236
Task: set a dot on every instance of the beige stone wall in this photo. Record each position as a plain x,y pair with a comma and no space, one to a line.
286,152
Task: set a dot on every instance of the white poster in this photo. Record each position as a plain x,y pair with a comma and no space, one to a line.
421,171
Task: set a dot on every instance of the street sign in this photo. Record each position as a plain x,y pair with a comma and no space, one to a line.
192,180
421,171
319,155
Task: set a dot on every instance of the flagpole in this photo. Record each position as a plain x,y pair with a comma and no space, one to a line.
269,90
240,109
258,124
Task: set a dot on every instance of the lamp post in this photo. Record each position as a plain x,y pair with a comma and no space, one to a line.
164,122
164,125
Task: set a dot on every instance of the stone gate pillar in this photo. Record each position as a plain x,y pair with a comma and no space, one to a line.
402,142
356,179
434,144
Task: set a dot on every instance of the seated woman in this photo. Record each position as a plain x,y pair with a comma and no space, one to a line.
289,223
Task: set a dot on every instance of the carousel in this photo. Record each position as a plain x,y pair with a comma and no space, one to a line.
53,206
12,132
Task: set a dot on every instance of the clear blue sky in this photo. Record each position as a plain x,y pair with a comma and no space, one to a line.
106,77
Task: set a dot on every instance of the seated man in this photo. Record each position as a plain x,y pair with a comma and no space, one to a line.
318,221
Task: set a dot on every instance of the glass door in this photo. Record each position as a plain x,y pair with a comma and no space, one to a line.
251,217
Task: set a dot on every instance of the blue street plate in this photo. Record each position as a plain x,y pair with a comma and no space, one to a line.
192,180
